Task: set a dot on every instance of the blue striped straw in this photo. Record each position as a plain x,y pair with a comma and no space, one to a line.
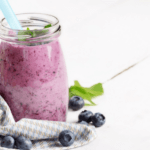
9,15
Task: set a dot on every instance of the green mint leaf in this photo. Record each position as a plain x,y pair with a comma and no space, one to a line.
95,90
79,91
92,102
20,33
89,104
70,94
30,32
47,26
76,83
86,93
33,34
37,33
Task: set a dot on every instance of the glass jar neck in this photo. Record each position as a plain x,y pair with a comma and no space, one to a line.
36,33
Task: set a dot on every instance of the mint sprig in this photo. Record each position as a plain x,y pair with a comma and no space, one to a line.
86,93
33,34
47,26
21,32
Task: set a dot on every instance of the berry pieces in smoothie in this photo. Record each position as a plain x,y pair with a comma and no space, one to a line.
33,80
98,119
23,143
66,138
76,103
8,142
85,116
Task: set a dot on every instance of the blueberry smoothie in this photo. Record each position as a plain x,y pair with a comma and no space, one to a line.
33,80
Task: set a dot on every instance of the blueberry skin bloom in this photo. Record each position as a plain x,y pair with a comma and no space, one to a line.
84,123
85,116
8,142
98,119
23,143
66,138
76,103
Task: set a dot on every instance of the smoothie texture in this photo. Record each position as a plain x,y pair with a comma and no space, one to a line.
33,80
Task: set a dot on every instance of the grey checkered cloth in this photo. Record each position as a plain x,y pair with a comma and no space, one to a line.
44,134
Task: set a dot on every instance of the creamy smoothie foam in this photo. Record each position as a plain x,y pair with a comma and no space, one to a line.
33,80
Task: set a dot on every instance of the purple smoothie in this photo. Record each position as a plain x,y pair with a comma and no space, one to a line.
33,81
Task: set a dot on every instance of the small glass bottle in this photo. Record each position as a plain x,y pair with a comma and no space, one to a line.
33,77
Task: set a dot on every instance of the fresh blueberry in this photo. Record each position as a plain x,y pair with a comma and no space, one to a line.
98,119
8,142
76,103
85,116
23,143
83,122
66,138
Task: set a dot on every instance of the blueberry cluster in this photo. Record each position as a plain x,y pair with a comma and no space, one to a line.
20,142
87,116
66,137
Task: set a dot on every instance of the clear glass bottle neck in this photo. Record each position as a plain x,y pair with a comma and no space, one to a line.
37,33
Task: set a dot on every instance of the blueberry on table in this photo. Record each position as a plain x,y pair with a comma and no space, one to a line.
66,138
84,123
8,142
85,116
98,119
76,103
23,143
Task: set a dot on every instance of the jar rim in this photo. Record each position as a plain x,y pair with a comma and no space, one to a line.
1,22
33,20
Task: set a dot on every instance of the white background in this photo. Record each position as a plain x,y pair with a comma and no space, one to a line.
101,38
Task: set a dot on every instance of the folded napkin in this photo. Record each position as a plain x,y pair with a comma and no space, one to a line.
44,134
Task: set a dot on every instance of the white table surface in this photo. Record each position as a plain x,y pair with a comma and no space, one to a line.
101,38
126,105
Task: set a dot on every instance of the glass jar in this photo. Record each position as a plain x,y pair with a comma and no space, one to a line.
33,77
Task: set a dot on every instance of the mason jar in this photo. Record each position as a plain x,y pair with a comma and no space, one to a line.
33,76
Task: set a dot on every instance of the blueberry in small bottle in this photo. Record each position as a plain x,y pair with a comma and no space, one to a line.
8,142
23,143
66,138
98,119
76,103
85,116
